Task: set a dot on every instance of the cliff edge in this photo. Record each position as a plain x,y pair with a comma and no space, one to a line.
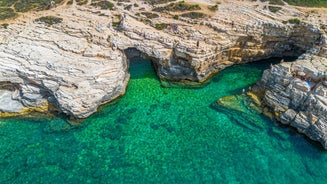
296,92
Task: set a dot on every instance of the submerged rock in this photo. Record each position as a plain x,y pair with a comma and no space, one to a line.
240,108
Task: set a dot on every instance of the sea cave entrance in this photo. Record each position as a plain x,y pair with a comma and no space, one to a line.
140,65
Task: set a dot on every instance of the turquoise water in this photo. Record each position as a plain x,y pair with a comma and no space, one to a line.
162,135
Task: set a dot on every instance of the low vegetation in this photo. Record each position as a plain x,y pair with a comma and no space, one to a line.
5,25
153,2
124,1
161,26
49,20
81,2
213,8
9,7
179,6
293,21
104,5
115,24
310,3
150,15
128,7
194,15
70,2
26,5
274,9
274,2
6,13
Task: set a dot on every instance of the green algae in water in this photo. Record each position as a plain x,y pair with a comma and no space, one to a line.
162,135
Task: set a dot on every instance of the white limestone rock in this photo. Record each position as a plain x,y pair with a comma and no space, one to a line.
305,106
8,103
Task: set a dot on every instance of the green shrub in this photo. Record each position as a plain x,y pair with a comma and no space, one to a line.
26,5
146,21
103,15
49,20
150,15
180,6
294,21
7,3
81,2
5,25
274,9
115,24
128,7
213,8
8,7
194,15
176,17
153,2
104,5
310,3
70,2
6,13
274,2
161,26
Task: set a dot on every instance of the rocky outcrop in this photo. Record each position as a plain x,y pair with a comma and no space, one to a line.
296,92
49,65
81,63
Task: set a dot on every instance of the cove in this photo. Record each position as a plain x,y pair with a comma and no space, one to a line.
162,135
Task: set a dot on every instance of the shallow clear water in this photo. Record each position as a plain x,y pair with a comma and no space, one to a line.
162,135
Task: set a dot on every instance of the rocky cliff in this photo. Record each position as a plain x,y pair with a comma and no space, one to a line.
60,65
80,63
296,92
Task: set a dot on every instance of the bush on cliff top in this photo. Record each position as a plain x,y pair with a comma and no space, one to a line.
274,9
104,5
213,8
194,15
180,6
5,25
161,26
24,5
81,2
49,20
293,21
312,3
153,2
274,2
6,13
150,15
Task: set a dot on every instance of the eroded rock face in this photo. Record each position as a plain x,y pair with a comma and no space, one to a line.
297,93
48,65
80,63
